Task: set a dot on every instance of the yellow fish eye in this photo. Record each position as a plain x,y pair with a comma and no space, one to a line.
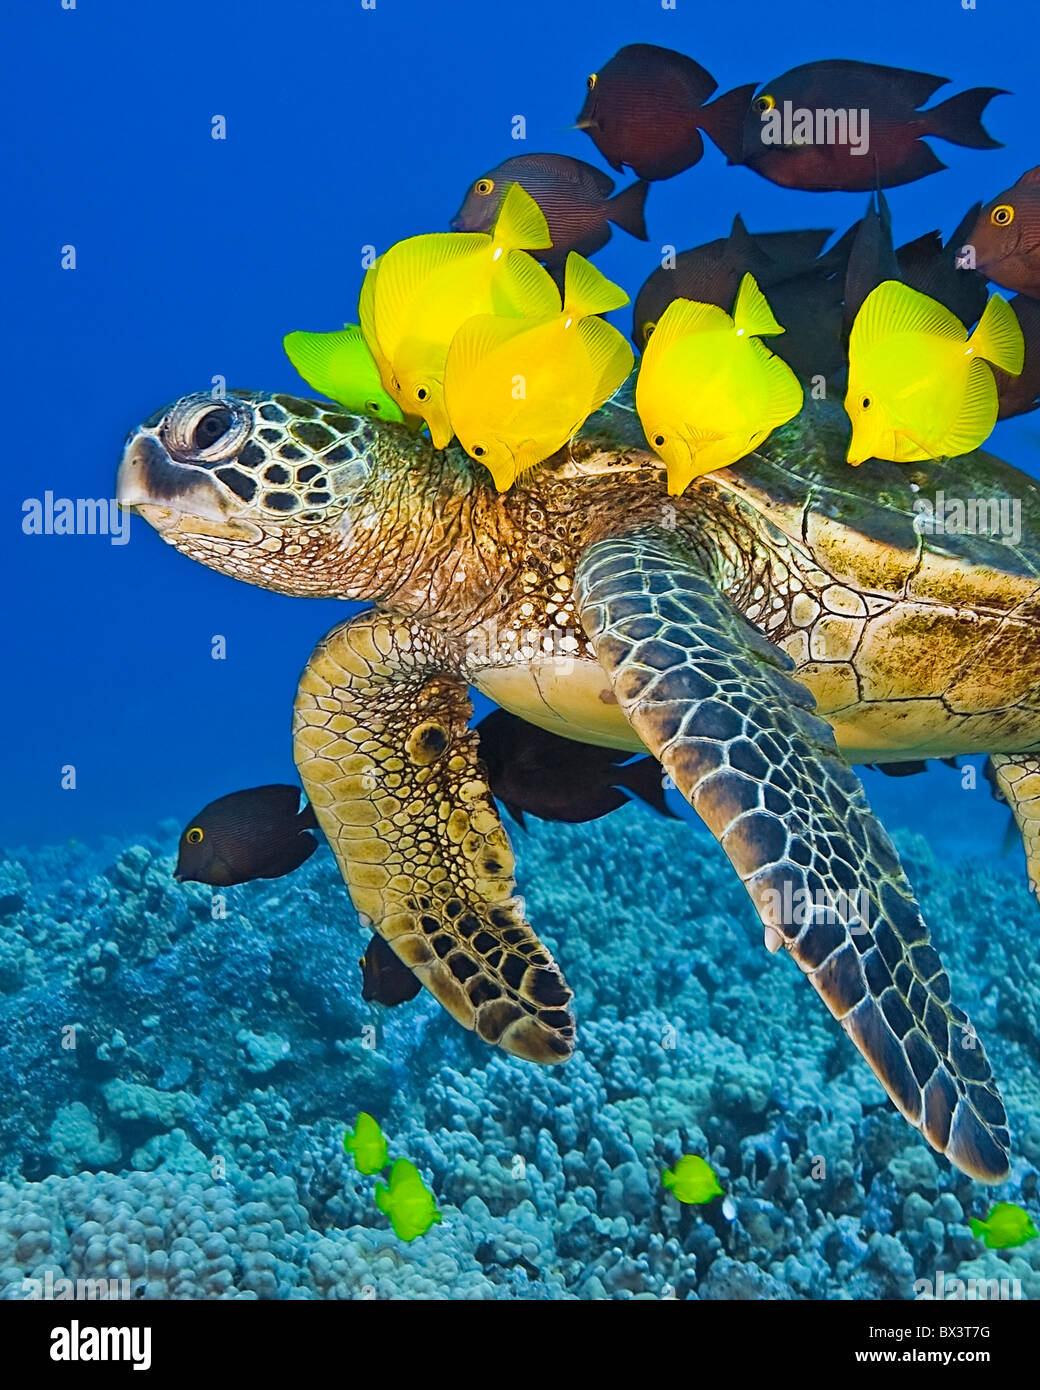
765,102
1002,216
479,451
592,80
421,393
373,407
659,441
484,186
865,403
648,328
195,835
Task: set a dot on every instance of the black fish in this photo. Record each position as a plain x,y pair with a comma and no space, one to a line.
554,778
712,273
806,129
1018,395
646,108
1006,237
259,833
575,198
385,977
909,769
925,264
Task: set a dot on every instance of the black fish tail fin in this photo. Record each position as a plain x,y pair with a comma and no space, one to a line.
723,120
645,779
626,209
959,119
307,820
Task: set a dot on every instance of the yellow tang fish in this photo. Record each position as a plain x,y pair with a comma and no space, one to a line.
918,387
708,391
421,291
517,389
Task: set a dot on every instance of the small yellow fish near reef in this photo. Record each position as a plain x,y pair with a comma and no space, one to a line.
1006,1226
516,390
407,1201
367,1144
692,1180
340,366
708,392
420,292
918,385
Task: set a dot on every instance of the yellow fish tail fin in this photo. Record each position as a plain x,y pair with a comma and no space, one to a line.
978,412
521,224
587,290
895,308
680,320
367,315
978,1228
479,338
610,358
786,396
525,289
751,312
998,336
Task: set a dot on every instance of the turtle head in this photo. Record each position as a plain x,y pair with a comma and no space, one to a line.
271,489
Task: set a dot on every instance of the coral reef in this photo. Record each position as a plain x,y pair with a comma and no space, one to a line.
179,1067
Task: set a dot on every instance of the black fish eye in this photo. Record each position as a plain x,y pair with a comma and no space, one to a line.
195,835
591,80
484,186
213,426
765,102
1002,216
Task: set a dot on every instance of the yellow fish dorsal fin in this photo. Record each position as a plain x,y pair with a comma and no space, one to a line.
523,288
998,336
680,320
751,312
587,290
403,271
610,358
894,308
473,345
521,224
786,396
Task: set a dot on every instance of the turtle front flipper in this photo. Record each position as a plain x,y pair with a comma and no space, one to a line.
1015,778
393,774
711,698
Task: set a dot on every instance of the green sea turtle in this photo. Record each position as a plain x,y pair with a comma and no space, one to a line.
780,620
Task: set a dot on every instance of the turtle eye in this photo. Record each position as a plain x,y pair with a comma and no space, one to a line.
593,78
1002,216
865,403
213,426
484,186
763,103
195,835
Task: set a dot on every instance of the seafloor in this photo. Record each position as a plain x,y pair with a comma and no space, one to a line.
238,1046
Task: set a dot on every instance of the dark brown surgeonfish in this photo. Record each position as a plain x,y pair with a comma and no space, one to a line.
1006,237
925,264
1018,395
533,771
806,128
803,286
258,833
578,201
385,979
647,107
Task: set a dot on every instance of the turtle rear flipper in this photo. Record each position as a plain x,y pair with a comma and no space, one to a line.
711,698
393,774
1015,778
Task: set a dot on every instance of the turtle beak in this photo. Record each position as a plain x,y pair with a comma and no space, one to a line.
171,496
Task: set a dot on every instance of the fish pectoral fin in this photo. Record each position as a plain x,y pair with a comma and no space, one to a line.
713,701
436,882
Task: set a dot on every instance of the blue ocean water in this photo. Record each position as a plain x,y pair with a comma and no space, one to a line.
349,127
